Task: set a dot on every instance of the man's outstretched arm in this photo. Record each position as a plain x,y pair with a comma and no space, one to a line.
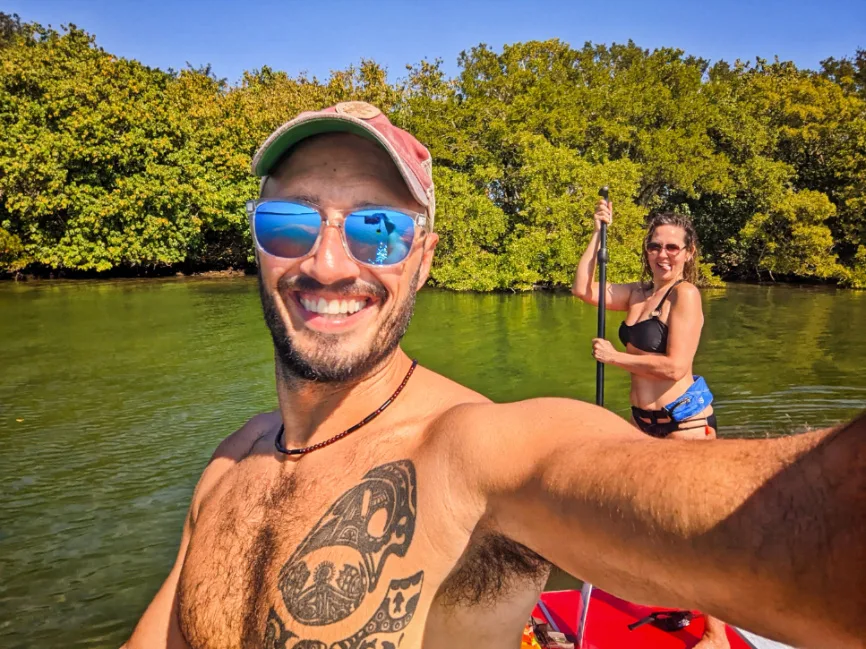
766,534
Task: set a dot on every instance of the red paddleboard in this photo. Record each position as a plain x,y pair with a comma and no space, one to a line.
608,619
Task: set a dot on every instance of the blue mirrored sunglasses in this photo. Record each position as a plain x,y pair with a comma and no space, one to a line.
375,236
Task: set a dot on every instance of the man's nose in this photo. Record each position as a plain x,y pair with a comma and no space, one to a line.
331,263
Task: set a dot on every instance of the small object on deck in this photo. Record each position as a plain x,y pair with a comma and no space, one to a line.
542,633
665,620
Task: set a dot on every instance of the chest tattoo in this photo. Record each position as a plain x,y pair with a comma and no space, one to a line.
375,519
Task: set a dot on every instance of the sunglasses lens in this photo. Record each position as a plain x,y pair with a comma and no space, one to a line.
379,237
653,247
672,248
286,229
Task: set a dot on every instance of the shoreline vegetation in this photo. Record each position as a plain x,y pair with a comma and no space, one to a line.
168,273
110,168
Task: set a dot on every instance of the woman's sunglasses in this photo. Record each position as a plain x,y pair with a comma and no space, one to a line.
653,247
374,236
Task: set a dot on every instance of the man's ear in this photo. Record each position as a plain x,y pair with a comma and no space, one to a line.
429,248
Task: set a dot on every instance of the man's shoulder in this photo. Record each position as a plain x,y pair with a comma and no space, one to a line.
490,447
232,450
474,424
240,443
479,411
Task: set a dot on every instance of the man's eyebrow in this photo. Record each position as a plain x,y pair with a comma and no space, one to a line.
307,198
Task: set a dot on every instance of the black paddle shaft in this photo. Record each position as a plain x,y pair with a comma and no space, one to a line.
602,298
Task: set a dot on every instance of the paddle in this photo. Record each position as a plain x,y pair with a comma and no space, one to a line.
586,589
602,297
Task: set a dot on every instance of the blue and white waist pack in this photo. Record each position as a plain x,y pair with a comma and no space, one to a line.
692,401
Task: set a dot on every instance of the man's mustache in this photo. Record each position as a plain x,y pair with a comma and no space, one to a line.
344,288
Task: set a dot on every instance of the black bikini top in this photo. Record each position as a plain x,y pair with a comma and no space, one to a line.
648,335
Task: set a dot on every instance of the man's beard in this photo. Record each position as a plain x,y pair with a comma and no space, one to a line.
323,362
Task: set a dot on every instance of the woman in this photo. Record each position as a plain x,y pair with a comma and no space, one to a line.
661,330
661,333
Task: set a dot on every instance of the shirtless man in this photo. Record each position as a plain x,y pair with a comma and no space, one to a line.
426,525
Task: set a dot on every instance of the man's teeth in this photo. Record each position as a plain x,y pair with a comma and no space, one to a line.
333,307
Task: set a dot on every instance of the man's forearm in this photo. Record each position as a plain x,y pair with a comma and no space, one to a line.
781,526
737,528
803,533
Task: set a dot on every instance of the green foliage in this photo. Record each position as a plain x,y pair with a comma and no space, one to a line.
855,275
792,238
850,73
107,164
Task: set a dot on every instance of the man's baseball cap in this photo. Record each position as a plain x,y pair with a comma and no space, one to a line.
358,117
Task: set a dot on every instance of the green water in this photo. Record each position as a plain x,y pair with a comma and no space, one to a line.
124,388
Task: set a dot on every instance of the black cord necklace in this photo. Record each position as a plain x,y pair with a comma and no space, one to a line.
366,420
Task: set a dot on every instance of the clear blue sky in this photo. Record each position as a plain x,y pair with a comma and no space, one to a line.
331,34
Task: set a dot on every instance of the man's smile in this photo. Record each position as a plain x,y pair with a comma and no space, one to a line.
333,313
